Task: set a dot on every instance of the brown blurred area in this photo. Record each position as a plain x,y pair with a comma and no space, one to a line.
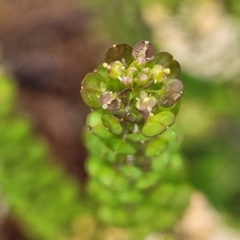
46,46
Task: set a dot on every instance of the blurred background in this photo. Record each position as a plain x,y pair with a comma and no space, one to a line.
47,47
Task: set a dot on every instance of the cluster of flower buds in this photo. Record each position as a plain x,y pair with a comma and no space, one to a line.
136,85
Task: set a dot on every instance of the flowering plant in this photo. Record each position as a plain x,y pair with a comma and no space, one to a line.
135,171
136,86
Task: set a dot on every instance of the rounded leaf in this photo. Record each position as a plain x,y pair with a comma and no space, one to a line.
158,123
148,180
111,84
94,119
90,97
137,137
112,124
119,52
95,126
95,187
120,183
155,147
131,171
131,197
91,89
119,145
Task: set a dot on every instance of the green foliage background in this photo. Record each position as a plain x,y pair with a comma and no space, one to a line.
37,190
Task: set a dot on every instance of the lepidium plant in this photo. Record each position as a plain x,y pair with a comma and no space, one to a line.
136,175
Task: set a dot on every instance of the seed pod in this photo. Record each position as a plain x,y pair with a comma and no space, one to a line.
172,92
143,49
119,52
110,101
163,58
175,69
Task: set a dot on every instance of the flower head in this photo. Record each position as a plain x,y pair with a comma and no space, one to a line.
134,80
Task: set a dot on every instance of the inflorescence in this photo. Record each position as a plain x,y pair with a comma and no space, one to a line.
136,85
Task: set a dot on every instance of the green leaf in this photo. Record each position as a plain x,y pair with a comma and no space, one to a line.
137,137
113,84
120,183
92,87
95,145
148,180
163,195
158,123
100,192
94,165
112,215
105,175
94,118
119,52
155,147
112,124
131,171
119,145
131,196
94,123
176,107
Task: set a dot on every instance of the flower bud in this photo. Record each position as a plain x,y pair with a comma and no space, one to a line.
157,73
110,101
146,102
127,81
145,70
131,71
115,70
140,62
142,80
